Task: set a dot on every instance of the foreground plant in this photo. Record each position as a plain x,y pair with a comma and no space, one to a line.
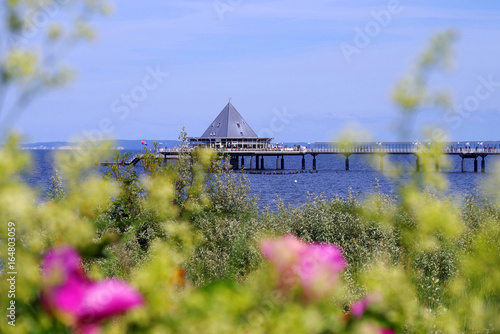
313,268
75,300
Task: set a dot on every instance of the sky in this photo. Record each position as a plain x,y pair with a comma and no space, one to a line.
296,70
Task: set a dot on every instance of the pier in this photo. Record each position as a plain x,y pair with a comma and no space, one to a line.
231,137
253,158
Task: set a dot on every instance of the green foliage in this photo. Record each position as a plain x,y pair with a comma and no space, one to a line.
440,279
229,193
128,205
229,229
336,221
228,250
56,190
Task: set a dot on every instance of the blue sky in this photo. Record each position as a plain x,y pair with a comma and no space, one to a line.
281,62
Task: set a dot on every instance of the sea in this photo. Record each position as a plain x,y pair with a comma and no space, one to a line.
294,186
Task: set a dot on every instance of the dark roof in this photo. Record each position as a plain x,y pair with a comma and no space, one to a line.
229,124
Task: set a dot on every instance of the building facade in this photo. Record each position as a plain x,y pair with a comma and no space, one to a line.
230,131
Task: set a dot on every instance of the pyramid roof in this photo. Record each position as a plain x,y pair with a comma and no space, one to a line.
229,124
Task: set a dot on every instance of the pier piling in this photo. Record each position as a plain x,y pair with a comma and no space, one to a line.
234,162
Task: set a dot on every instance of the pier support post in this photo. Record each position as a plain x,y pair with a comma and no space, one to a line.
277,162
347,162
282,162
257,164
418,164
251,162
483,164
437,164
314,162
463,165
242,162
234,162
262,162
475,164
303,161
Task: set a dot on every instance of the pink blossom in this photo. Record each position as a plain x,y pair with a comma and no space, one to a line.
63,262
76,300
359,307
312,267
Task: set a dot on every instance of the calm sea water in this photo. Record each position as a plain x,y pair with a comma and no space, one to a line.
331,179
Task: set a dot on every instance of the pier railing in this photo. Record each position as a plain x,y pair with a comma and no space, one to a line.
353,149
465,150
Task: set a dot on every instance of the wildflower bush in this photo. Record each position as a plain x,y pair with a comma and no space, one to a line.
339,265
182,248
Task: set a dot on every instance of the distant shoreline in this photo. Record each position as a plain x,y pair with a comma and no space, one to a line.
61,148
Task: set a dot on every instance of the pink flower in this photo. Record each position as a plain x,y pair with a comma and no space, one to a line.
76,300
359,307
312,267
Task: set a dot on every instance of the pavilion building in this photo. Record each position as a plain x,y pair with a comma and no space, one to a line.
230,130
